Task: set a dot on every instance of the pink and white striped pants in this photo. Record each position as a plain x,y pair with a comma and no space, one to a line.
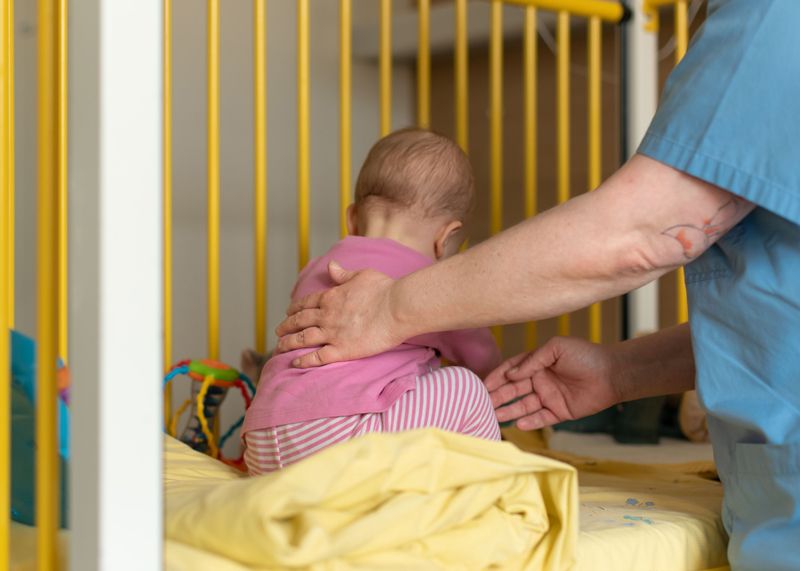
451,398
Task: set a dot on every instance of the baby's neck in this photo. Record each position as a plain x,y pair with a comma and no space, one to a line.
413,232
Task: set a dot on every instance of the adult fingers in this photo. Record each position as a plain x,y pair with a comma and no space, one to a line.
525,406
322,356
309,302
497,378
339,274
309,337
543,357
509,391
538,420
296,322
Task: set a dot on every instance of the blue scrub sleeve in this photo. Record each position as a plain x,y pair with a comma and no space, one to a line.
730,112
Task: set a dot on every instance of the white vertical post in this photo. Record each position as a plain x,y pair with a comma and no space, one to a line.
115,295
642,96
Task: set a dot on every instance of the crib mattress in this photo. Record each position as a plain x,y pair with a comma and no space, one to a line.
625,516
642,516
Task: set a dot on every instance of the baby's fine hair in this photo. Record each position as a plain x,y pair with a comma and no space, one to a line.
417,169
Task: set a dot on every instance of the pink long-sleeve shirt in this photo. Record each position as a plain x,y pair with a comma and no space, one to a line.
286,394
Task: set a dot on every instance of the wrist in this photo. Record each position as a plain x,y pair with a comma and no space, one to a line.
622,372
405,323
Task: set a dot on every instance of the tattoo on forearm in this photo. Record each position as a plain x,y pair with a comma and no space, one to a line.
695,239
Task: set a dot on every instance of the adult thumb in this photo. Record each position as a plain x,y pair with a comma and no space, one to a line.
338,273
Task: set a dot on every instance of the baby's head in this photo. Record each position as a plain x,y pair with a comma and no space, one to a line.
415,187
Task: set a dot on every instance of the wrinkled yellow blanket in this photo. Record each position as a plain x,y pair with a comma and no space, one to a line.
428,500
415,500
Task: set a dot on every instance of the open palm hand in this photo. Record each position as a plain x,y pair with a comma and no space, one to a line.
565,379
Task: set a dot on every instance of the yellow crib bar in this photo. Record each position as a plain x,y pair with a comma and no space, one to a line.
213,178
595,156
563,121
63,242
303,163
496,116
424,64
345,111
496,126
462,76
260,171
386,67
10,168
50,16
603,9
530,46
681,29
681,45
6,86
167,199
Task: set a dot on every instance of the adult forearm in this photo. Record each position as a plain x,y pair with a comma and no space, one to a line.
644,221
557,262
657,364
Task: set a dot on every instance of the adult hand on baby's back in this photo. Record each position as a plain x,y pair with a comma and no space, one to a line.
565,379
350,321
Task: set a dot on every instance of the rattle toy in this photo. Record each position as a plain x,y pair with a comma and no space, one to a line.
209,375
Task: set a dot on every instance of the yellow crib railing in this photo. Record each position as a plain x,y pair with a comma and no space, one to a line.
51,266
52,235
6,270
167,198
260,171
345,105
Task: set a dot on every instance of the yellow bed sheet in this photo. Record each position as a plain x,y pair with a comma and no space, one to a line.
433,500
415,500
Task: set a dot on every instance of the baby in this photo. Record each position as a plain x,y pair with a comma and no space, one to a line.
413,195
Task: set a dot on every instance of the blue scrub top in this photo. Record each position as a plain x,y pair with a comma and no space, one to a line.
730,115
730,112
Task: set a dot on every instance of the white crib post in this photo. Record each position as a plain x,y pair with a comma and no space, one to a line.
642,96
115,88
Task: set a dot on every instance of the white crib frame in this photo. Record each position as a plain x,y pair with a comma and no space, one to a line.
115,165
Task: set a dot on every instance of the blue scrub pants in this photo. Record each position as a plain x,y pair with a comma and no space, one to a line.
744,296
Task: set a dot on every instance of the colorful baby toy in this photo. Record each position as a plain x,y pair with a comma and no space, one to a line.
212,380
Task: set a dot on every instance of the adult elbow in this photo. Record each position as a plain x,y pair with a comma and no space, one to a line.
646,259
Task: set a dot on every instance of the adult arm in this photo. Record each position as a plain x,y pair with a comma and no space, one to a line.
644,221
569,378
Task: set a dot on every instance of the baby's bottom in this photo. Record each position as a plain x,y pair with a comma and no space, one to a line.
452,398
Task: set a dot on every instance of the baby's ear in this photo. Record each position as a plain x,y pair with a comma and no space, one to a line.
352,220
449,239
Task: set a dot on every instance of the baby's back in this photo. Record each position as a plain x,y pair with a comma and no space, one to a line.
287,394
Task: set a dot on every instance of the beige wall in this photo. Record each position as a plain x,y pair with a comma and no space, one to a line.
25,123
